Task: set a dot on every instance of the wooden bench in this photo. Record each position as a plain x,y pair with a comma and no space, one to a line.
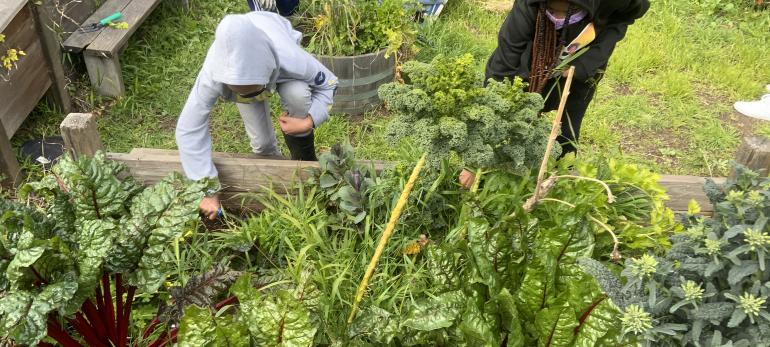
101,49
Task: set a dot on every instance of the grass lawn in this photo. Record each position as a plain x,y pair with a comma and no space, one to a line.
666,100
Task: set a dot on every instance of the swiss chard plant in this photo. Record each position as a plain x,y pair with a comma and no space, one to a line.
87,233
505,276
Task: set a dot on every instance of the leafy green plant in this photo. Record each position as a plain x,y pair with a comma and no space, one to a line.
637,213
445,109
353,27
711,288
344,184
91,225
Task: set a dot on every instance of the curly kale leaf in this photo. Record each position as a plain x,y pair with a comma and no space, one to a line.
445,109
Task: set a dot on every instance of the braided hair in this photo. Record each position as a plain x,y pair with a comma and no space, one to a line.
546,47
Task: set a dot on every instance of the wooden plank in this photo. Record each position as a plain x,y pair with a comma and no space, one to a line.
105,75
9,166
29,81
80,134
235,174
8,10
76,14
379,165
52,52
110,40
682,189
173,153
79,40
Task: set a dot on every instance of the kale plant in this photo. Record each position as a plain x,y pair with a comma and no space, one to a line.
445,109
712,287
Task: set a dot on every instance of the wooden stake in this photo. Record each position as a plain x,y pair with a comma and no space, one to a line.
554,130
81,136
386,236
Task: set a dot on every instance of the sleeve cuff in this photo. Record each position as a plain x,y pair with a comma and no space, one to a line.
319,114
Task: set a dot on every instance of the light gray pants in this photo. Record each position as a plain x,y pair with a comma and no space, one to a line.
295,99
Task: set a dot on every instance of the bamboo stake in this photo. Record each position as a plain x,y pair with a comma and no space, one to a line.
386,236
554,130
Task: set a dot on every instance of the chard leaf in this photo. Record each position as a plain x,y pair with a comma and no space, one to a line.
510,320
375,325
596,322
158,215
95,240
198,328
437,312
483,253
94,186
556,325
23,315
477,329
278,319
23,259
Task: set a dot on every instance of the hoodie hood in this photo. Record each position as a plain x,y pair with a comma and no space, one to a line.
242,54
590,6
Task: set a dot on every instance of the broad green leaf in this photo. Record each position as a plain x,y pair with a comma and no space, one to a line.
95,241
278,319
596,322
158,215
537,286
556,325
376,325
199,328
437,312
28,252
23,315
510,320
94,186
479,329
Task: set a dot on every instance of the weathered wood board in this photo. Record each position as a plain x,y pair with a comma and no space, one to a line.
682,189
240,173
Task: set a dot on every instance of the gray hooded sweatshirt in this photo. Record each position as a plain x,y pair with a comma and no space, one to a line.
254,48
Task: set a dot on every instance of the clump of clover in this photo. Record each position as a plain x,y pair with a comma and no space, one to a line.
446,110
712,287
8,58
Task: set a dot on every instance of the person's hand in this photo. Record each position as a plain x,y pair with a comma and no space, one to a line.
466,179
295,126
209,207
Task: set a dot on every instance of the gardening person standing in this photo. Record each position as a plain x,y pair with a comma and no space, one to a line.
538,35
531,40
252,56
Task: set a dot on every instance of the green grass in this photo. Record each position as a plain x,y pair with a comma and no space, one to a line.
666,100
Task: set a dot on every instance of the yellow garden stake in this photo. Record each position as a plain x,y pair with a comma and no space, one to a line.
385,236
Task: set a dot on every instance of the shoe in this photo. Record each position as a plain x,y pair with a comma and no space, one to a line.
301,148
755,109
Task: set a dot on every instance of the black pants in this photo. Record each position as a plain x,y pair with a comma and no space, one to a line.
581,94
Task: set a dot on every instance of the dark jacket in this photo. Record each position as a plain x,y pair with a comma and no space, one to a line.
611,18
